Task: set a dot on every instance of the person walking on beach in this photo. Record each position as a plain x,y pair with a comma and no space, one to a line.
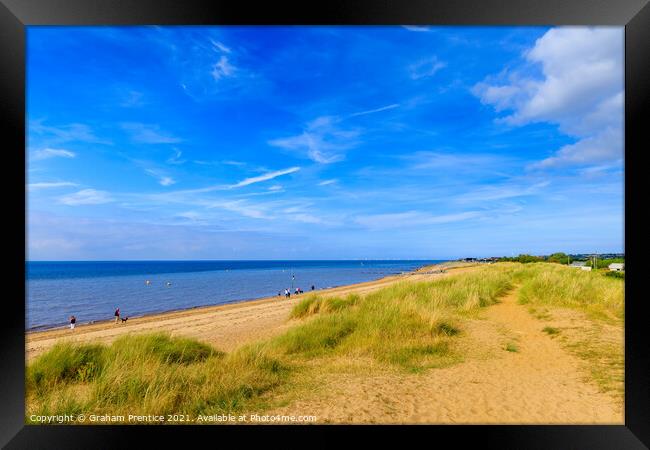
117,315
73,320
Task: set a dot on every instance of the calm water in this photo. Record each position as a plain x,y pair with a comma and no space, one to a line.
92,290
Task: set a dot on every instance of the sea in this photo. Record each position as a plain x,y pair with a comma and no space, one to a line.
92,290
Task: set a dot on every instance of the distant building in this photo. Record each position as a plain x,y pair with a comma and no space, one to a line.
587,268
617,267
579,264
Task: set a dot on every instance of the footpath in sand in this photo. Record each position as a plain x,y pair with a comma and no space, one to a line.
224,326
538,383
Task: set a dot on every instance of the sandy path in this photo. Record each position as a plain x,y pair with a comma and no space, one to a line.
540,383
224,326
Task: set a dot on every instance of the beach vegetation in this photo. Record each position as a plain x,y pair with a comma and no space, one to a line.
149,373
551,331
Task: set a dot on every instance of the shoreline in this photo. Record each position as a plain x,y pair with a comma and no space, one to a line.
65,326
224,325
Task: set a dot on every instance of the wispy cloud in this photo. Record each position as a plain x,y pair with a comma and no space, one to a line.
52,185
48,153
163,179
322,141
74,132
411,219
222,68
417,28
458,162
426,68
372,111
220,46
86,197
265,177
501,192
148,133
233,163
328,182
176,158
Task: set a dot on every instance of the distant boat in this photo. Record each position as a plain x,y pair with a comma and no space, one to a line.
169,283
147,282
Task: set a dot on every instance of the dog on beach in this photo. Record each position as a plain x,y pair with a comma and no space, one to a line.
124,319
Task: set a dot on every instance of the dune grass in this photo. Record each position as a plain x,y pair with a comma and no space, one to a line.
148,374
599,296
409,324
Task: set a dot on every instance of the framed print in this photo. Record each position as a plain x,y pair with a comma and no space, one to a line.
341,215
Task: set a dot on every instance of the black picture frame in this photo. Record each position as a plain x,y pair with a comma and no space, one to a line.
15,15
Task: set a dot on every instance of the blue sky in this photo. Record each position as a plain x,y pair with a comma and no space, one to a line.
323,142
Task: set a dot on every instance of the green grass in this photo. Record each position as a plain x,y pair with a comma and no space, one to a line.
551,331
410,325
615,275
510,347
553,285
149,374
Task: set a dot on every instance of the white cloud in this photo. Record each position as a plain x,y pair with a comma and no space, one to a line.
417,28
411,218
322,140
175,159
53,185
426,68
240,207
219,46
222,68
265,177
372,111
580,89
458,162
602,147
86,197
501,192
328,182
48,153
233,163
163,179
148,133
73,132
